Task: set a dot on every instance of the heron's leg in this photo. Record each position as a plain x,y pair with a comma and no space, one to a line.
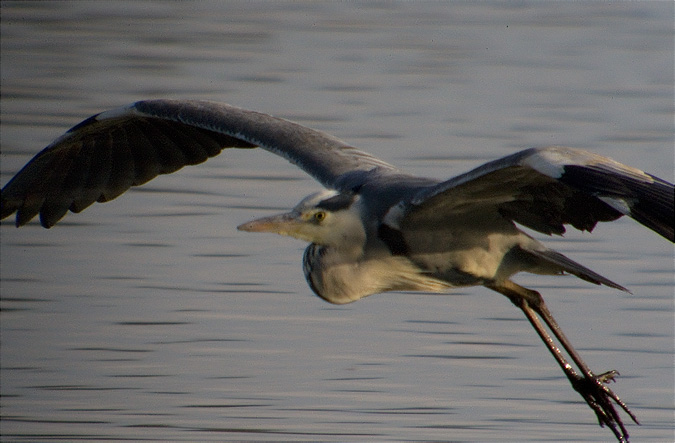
541,308
591,387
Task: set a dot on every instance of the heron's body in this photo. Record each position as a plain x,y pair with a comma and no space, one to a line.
358,262
376,228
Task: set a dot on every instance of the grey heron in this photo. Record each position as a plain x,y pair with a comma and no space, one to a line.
375,228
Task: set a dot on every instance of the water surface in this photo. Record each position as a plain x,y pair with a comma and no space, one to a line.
152,318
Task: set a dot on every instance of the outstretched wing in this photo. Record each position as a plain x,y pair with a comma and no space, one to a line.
546,188
106,154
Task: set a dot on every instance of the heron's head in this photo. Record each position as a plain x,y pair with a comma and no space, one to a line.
327,218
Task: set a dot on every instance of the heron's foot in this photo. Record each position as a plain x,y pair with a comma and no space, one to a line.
601,399
607,377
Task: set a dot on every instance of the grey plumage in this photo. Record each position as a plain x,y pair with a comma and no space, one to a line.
376,228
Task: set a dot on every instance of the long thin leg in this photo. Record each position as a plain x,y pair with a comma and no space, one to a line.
588,384
591,387
603,378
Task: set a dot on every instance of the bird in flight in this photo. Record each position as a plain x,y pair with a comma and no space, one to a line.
375,228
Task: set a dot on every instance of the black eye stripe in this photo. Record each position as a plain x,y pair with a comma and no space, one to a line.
336,203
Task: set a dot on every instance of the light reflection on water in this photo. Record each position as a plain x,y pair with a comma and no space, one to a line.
153,318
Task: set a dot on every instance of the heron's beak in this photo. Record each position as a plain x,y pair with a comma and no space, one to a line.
283,224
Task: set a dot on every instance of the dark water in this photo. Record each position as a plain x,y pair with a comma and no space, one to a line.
152,318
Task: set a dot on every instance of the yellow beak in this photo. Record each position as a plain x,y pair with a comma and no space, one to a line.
283,224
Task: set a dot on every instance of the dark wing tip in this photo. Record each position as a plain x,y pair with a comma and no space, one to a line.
647,199
102,157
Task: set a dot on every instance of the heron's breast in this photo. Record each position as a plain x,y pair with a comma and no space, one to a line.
340,280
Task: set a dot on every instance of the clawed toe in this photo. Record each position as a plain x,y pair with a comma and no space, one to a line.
601,399
607,377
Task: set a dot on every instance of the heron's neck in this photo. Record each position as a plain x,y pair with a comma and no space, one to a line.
348,238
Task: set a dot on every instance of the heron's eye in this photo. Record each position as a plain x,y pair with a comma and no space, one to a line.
320,216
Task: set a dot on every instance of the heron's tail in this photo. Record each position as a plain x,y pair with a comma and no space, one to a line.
567,265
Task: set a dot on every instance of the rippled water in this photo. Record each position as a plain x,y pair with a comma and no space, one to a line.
152,318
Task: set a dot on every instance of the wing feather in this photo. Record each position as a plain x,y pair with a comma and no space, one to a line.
545,189
106,154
